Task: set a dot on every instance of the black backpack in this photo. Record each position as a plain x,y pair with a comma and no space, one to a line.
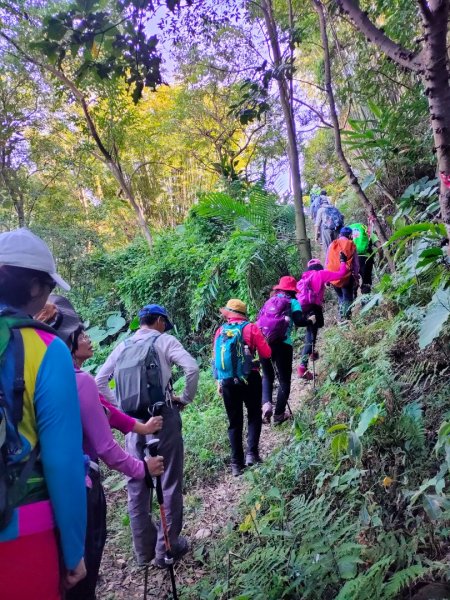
14,478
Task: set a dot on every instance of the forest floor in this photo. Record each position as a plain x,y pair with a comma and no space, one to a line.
208,509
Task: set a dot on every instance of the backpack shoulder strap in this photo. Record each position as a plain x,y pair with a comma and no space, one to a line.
19,381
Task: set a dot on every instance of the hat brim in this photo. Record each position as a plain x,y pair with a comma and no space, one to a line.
70,319
229,312
169,324
284,289
60,281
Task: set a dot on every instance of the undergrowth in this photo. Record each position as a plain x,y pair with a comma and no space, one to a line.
354,506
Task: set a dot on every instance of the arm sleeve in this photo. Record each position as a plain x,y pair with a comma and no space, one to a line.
106,372
117,419
59,429
255,339
98,434
326,276
319,217
177,355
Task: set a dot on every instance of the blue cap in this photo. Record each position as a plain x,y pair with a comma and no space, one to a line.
155,309
346,231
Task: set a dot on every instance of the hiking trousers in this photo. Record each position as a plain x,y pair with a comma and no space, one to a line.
311,331
280,364
142,528
366,269
235,396
95,540
346,295
326,237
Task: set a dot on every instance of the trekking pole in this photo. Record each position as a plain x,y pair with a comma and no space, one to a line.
314,364
152,448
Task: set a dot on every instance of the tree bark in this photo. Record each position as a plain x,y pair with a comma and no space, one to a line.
353,179
302,239
432,65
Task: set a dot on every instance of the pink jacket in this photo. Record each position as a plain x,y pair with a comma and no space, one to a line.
98,441
320,278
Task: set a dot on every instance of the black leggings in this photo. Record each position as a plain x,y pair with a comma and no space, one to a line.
281,365
311,331
95,540
235,395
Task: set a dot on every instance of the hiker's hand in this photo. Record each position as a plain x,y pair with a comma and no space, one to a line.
342,257
73,576
177,401
219,388
153,425
155,465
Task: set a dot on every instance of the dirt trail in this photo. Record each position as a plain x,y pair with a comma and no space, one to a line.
208,510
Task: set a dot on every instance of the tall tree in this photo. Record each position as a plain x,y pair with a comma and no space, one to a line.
84,46
346,166
431,63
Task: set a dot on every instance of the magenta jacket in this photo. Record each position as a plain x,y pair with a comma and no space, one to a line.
98,441
320,278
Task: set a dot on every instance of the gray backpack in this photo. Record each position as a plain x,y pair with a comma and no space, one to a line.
138,377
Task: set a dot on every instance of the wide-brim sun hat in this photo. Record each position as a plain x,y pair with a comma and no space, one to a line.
286,284
22,248
68,320
156,309
234,308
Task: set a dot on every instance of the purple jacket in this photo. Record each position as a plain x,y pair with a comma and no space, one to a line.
98,441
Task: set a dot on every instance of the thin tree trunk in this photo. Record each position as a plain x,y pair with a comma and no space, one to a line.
370,210
293,154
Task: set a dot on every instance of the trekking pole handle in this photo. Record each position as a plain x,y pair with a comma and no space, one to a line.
151,448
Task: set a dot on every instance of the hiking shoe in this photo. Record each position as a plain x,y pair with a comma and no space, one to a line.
178,551
267,413
315,355
252,458
237,469
304,373
278,419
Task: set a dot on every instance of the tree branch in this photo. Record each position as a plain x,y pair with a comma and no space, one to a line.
314,110
403,57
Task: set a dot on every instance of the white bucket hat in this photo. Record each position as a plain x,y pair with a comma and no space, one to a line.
21,248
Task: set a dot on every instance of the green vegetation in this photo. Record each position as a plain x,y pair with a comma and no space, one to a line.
192,193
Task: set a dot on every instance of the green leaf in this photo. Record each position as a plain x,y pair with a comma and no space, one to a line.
369,417
115,323
96,334
354,445
348,566
337,427
436,315
409,230
134,325
339,444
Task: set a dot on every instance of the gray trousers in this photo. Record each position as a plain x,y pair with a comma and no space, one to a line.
326,237
142,528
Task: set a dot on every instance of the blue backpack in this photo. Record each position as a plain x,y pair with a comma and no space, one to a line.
232,358
333,219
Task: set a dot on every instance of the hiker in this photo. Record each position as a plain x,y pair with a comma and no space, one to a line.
329,221
347,286
366,241
46,524
237,372
98,441
310,293
276,319
320,198
150,353
313,197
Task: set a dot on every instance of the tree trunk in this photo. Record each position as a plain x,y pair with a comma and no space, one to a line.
370,210
293,154
435,76
432,64
128,192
